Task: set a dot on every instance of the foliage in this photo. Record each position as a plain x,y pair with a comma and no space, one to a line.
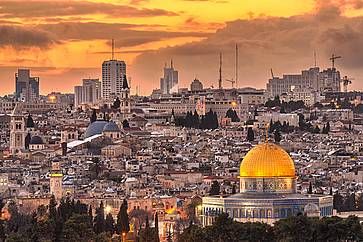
215,188
194,120
232,114
250,134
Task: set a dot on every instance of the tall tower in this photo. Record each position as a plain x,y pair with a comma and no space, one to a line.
113,74
17,131
125,105
169,82
56,178
26,87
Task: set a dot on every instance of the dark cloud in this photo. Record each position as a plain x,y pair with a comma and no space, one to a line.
21,37
125,35
284,44
25,9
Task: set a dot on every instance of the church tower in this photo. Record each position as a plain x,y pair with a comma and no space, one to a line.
17,131
125,97
56,178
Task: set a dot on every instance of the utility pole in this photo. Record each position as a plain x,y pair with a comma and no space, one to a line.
220,71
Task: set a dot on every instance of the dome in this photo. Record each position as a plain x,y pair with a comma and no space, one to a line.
36,140
111,127
95,128
267,160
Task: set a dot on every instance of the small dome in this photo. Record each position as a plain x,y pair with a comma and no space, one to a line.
95,128
267,160
36,140
111,127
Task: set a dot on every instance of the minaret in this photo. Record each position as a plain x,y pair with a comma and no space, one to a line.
17,131
125,97
56,178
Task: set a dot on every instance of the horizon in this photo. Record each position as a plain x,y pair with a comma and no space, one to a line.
70,43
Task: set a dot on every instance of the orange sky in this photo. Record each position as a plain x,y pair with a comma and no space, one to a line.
64,41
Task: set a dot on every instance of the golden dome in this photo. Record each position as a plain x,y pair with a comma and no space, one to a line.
267,160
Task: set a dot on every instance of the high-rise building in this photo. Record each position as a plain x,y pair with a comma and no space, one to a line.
89,93
169,83
113,76
312,81
26,87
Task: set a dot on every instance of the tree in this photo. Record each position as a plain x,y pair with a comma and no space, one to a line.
277,136
215,188
234,189
327,127
292,229
250,134
116,103
93,117
52,208
125,124
310,189
99,220
338,202
350,203
109,224
156,222
78,228
123,225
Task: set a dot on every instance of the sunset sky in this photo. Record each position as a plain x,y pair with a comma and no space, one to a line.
64,41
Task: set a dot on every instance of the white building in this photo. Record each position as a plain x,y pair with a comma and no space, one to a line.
314,79
291,118
113,76
89,93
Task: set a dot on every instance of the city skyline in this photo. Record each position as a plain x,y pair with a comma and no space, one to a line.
68,44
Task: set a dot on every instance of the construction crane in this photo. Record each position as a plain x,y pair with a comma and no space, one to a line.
346,82
333,58
231,81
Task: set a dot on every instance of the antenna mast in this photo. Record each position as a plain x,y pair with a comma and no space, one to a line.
220,71
236,80
113,49
314,58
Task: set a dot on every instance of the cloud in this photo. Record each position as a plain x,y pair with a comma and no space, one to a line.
25,9
285,44
125,35
21,37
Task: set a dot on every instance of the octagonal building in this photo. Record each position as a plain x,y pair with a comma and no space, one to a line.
267,191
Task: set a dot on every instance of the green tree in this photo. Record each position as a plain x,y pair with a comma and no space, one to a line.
93,117
215,188
277,136
156,222
298,228
250,134
109,224
78,228
123,225
99,220
116,103
52,208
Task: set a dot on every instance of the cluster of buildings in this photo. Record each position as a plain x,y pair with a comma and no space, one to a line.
102,144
